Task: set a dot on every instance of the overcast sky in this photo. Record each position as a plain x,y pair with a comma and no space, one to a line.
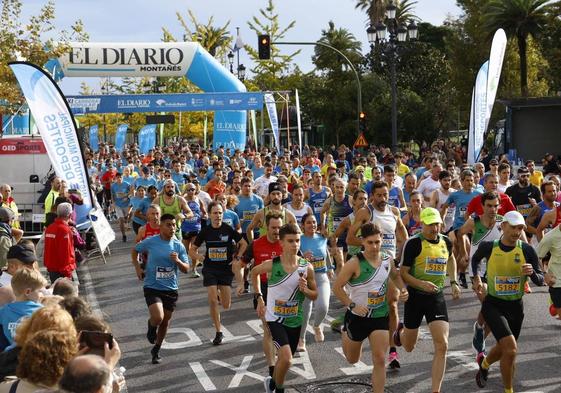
142,20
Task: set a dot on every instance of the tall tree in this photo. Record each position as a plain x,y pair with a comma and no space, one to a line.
376,10
268,72
26,40
325,59
520,19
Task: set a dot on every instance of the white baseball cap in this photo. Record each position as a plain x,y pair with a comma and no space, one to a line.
514,218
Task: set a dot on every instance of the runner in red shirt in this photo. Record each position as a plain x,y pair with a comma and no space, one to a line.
491,183
151,228
265,248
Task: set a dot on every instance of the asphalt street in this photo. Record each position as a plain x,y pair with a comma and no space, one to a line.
192,364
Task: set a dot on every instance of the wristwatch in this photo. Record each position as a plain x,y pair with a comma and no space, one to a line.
257,296
352,305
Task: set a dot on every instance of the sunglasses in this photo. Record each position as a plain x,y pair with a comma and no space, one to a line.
190,189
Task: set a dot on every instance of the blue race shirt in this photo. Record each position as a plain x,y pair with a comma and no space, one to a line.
136,202
247,208
460,199
230,218
318,246
192,224
150,181
120,194
161,271
258,172
178,177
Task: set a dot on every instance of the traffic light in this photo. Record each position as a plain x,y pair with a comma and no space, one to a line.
264,46
362,121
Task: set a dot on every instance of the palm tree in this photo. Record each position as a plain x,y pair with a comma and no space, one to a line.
376,9
520,19
341,39
217,40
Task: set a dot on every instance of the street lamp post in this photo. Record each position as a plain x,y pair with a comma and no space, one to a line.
389,45
231,61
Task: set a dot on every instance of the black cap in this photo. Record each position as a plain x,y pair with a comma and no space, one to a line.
274,187
22,254
145,169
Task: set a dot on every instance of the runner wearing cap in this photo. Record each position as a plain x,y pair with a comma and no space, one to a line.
426,258
509,264
275,199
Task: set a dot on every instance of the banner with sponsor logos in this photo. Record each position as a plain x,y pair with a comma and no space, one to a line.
147,138
94,138
22,145
478,114
56,126
82,105
120,137
496,57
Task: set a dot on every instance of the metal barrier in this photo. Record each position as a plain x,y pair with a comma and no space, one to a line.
31,218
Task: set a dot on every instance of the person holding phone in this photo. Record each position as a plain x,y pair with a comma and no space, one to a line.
166,256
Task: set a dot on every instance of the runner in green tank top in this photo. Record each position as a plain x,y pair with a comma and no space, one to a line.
290,279
366,278
176,205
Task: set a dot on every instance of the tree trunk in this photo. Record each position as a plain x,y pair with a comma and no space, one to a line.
522,44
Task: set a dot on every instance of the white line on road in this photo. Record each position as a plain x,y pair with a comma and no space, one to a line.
356,369
193,341
240,371
202,376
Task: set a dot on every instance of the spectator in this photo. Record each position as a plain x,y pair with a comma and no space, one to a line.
6,237
64,287
42,361
76,306
52,195
27,285
60,259
86,374
51,317
9,202
18,257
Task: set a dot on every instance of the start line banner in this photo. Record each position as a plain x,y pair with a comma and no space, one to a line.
196,102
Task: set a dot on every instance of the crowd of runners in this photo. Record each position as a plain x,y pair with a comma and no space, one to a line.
372,228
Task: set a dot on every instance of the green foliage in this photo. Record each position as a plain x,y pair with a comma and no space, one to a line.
269,73
520,19
376,10
26,40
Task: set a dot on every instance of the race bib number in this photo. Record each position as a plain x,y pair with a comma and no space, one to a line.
122,195
218,254
524,209
388,242
318,263
286,308
165,272
336,222
317,206
248,215
507,285
375,299
435,266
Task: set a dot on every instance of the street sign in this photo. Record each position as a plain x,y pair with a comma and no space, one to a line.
361,141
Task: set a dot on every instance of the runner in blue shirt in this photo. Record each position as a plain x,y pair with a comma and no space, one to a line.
136,202
120,194
249,204
166,256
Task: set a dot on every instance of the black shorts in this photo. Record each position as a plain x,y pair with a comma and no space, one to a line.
188,235
419,305
264,290
358,328
284,335
555,294
217,277
167,298
504,317
135,227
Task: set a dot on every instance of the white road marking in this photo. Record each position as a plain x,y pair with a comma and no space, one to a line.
356,369
194,340
202,376
307,370
465,358
240,371
229,337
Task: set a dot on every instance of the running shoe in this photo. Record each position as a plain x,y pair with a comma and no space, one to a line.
396,337
552,310
482,374
156,359
195,274
318,334
463,281
527,288
124,238
478,341
151,333
267,384
393,360
218,338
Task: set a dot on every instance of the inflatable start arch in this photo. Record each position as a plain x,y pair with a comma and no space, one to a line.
189,59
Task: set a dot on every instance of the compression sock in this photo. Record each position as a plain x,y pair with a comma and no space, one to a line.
271,370
484,364
392,349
